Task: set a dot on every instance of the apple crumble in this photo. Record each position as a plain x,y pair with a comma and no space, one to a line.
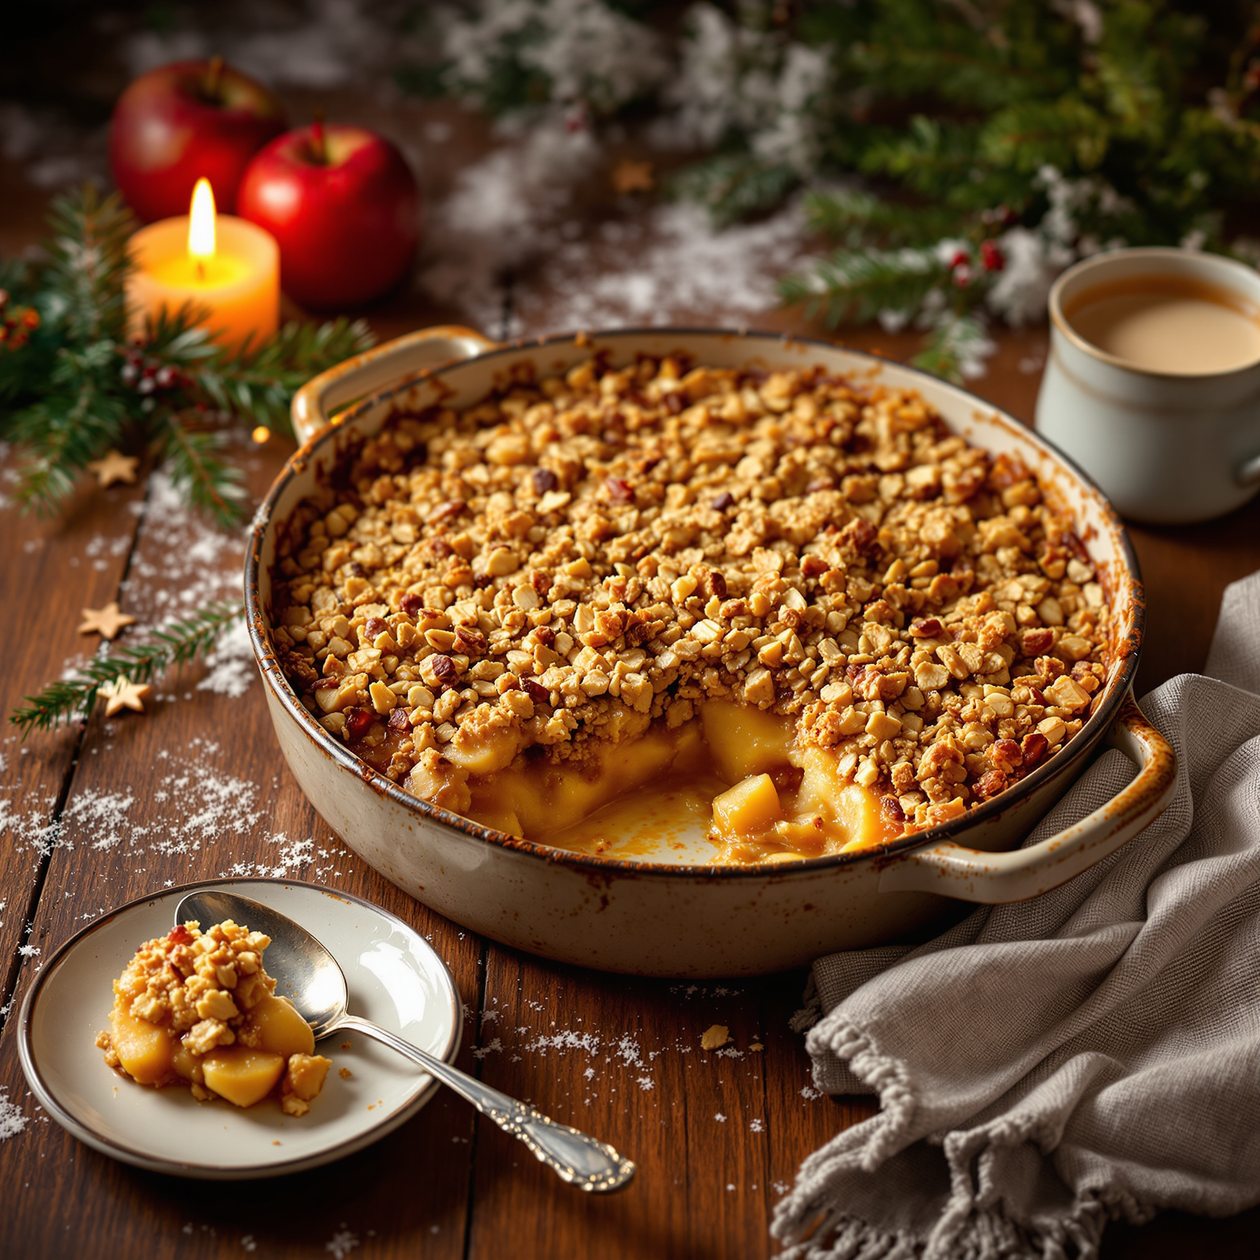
198,1007
796,605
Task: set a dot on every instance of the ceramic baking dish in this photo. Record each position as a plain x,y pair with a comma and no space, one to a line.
683,918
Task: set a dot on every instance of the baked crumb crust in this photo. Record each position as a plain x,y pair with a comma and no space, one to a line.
576,557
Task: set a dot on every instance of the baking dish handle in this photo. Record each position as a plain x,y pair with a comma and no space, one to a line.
316,402
997,878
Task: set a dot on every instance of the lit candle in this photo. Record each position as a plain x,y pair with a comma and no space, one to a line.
223,263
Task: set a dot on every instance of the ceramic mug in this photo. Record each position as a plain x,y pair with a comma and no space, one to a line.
1166,447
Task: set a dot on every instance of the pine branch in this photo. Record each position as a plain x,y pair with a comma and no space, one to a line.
88,262
955,344
262,381
1063,133
255,383
858,218
857,285
210,483
62,433
177,645
734,186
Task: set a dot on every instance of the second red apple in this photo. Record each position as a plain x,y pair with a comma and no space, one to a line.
343,205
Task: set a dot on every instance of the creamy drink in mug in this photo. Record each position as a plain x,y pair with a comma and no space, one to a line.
1153,381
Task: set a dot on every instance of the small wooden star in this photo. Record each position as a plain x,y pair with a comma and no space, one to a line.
114,467
122,693
628,176
106,622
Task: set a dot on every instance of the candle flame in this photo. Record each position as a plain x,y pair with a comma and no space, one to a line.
201,222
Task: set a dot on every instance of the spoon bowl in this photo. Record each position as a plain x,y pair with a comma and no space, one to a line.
308,974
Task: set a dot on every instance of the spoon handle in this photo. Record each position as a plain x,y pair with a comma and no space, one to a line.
573,1155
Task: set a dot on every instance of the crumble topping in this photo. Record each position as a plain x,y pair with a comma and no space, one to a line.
187,994
577,557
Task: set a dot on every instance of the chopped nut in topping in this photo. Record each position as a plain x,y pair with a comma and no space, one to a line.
490,605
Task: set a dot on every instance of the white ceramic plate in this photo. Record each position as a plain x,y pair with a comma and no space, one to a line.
395,979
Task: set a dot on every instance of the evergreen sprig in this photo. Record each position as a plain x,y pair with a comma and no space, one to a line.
78,387
861,219
260,381
954,342
858,284
734,186
176,645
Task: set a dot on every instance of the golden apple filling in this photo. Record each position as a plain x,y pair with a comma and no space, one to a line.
736,773
199,1009
603,610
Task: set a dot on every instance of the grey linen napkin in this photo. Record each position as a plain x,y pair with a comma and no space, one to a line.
1091,1054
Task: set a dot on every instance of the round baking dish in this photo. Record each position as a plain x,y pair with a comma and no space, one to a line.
656,918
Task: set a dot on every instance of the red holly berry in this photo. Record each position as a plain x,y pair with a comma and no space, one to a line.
991,258
960,259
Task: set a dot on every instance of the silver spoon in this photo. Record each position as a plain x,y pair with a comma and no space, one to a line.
317,987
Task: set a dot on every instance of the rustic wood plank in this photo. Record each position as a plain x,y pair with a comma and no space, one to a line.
717,1136
52,568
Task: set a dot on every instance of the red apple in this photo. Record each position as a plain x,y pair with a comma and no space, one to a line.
182,121
344,206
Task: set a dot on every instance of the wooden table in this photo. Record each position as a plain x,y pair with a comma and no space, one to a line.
99,815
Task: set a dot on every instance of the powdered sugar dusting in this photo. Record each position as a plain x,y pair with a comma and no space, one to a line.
184,562
665,264
230,667
192,802
12,1118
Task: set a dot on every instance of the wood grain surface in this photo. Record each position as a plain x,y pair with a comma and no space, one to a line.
102,814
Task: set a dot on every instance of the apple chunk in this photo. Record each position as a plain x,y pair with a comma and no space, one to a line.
744,741
145,1050
278,1028
750,806
241,1075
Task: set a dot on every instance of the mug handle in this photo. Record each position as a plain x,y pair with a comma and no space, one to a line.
393,362
1248,473
998,878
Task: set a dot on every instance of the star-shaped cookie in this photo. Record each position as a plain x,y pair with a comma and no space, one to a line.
628,176
122,693
114,467
106,622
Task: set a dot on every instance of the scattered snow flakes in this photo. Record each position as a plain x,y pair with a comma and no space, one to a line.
780,1187
646,1082
12,1118
342,1243
809,1093
248,1243
193,803
588,1072
566,1040
720,1118
230,666
28,951
757,1126
491,1047
628,1050
730,1185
